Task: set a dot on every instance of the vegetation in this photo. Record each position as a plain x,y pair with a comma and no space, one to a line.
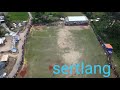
7,21
2,33
45,17
17,16
109,29
48,17
71,14
42,50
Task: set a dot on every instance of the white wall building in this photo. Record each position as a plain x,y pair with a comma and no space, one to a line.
76,20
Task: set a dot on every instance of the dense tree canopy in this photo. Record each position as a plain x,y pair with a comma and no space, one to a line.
45,17
108,28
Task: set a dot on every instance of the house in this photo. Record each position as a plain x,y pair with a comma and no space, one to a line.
2,19
76,20
4,58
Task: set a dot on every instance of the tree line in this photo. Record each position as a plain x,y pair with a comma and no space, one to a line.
108,27
45,17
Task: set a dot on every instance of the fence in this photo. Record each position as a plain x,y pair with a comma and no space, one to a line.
109,57
25,39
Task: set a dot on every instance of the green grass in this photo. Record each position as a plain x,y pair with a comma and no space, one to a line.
42,50
116,61
33,14
93,53
18,16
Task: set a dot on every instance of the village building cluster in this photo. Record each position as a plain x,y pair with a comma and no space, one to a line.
9,46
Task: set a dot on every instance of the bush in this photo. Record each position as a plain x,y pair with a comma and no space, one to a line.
111,34
45,17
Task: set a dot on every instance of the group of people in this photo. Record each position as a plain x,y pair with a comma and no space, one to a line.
50,24
22,61
109,56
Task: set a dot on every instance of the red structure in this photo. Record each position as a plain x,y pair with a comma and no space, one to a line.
23,71
50,67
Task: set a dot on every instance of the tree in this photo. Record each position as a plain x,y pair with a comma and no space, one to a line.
45,17
89,14
8,21
109,29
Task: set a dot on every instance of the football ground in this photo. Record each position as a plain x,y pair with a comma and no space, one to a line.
49,45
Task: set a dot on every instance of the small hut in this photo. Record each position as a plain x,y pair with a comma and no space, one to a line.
109,48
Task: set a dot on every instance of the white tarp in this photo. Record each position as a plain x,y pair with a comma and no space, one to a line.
2,40
76,18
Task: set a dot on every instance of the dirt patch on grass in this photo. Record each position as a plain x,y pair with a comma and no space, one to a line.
64,37
72,57
65,41
76,27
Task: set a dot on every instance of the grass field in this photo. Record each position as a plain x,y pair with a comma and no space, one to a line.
18,16
42,49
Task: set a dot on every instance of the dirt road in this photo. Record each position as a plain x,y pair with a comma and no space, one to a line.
65,41
21,43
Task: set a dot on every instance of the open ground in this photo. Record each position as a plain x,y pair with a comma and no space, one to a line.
62,45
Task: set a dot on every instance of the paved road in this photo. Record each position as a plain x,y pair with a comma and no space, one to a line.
21,43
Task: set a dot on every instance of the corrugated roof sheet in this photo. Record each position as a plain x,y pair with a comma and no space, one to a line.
108,46
77,18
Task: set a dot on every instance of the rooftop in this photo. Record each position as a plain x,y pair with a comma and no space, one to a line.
108,46
77,18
